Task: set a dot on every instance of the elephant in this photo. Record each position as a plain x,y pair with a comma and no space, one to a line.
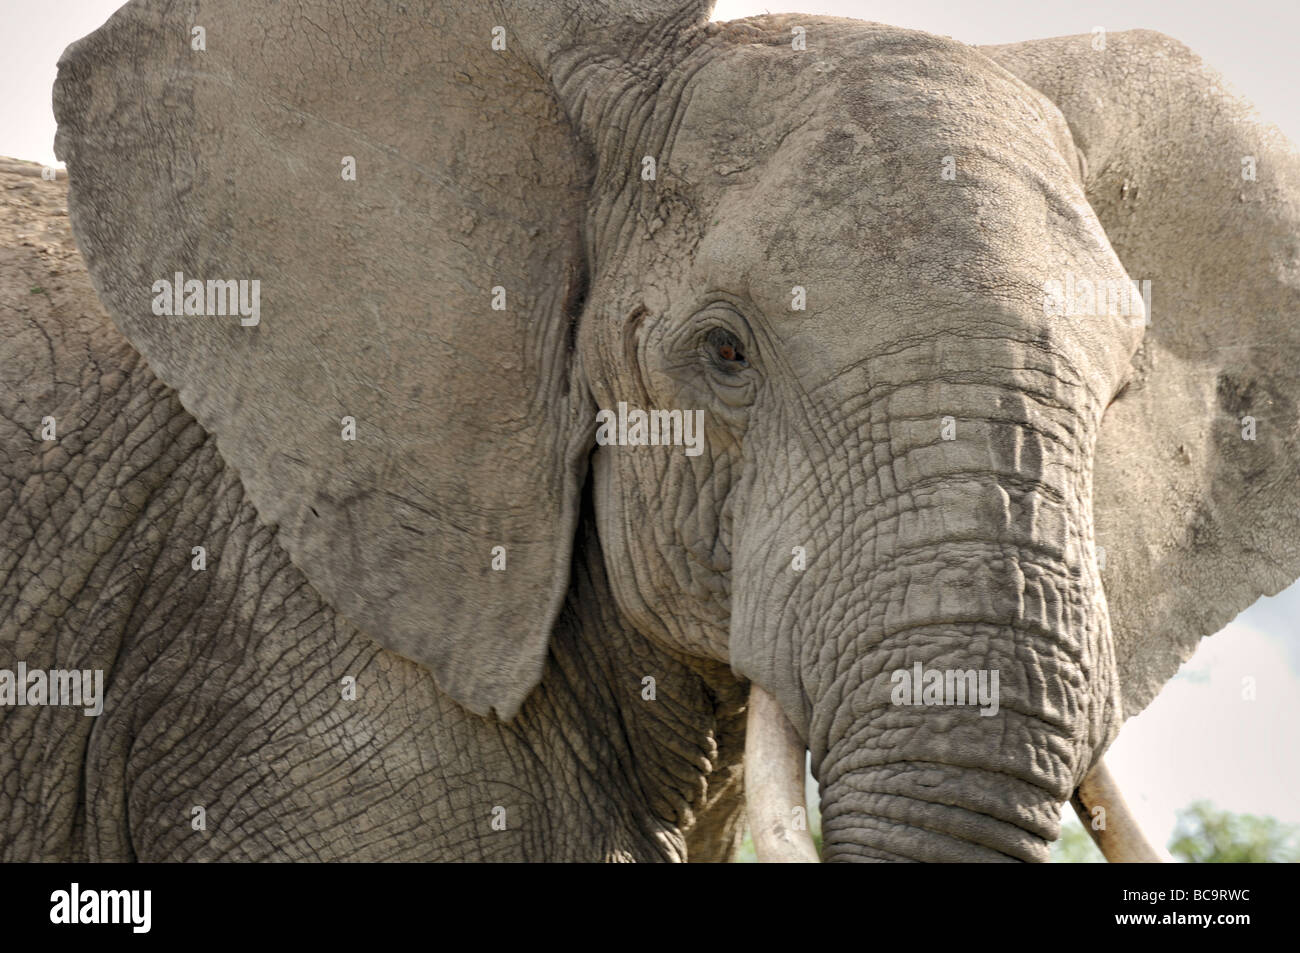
527,430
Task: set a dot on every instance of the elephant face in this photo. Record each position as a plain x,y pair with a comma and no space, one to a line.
863,263
829,535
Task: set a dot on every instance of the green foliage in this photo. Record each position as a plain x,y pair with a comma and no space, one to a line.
1205,835
746,853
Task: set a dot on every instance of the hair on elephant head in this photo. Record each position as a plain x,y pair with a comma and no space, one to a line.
946,325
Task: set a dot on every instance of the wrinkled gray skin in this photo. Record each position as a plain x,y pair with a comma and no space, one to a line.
523,689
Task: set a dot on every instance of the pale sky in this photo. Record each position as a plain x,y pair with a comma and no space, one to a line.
1199,739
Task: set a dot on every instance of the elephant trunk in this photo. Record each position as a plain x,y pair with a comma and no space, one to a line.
919,811
774,787
980,688
953,672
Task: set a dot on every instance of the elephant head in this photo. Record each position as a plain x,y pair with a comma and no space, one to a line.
890,275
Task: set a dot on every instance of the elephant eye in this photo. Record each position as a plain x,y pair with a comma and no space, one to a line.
725,350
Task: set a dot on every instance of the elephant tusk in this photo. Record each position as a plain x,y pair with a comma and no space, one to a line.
1119,838
774,784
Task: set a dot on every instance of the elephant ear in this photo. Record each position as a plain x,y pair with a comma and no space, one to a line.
1197,485
400,180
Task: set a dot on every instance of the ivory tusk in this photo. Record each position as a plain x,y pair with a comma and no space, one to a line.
1120,839
774,784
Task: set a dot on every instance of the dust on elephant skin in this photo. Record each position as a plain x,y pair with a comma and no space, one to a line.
393,572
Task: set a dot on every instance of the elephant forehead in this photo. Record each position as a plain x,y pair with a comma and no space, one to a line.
884,156
742,100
